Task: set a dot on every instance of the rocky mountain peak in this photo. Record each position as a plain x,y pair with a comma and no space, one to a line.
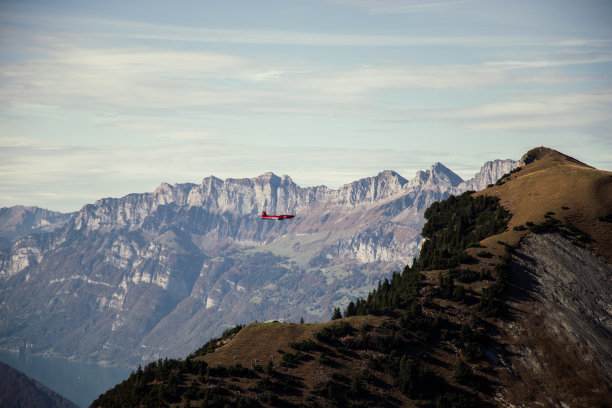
391,176
163,187
489,173
371,189
542,152
164,193
269,178
442,174
437,175
210,180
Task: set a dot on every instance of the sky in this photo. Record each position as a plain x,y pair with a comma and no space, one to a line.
103,99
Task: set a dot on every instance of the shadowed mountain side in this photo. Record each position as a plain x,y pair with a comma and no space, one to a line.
20,391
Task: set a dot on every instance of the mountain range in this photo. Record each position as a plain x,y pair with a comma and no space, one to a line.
131,279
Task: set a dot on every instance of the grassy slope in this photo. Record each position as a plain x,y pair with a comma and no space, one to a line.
575,192
259,343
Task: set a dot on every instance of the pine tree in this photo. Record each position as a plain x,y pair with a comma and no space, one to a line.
351,310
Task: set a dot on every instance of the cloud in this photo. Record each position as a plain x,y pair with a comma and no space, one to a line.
578,59
419,7
146,79
402,6
365,80
549,112
60,71
113,30
138,78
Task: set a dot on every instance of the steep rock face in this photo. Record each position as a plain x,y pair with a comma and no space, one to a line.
562,309
578,305
489,174
370,190
156,274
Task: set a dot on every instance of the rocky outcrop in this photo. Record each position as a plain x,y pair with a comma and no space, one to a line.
489,174
563,325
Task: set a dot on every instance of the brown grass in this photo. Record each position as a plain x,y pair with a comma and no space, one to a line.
259,343
575,192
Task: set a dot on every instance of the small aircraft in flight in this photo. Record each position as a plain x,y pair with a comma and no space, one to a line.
265,216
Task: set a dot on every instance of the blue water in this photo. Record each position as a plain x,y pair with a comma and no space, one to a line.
81,383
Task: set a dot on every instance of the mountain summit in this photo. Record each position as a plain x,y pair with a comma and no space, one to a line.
442,174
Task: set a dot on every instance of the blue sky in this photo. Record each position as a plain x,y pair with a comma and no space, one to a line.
102,99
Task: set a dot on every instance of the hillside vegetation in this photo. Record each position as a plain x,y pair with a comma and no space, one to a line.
438,334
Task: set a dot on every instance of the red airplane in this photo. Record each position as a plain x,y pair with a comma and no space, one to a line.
265,216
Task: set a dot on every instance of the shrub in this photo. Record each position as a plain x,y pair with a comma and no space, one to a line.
550,225
332,334
462,373
464,275
294,359
304,345
606,218
484,254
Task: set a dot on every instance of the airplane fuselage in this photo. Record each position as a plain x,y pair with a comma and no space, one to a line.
265,216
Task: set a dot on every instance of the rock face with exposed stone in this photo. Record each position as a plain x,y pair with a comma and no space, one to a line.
577,305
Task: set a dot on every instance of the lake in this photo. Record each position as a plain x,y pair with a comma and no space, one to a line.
81,383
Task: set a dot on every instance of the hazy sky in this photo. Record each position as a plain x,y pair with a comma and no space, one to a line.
101,99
